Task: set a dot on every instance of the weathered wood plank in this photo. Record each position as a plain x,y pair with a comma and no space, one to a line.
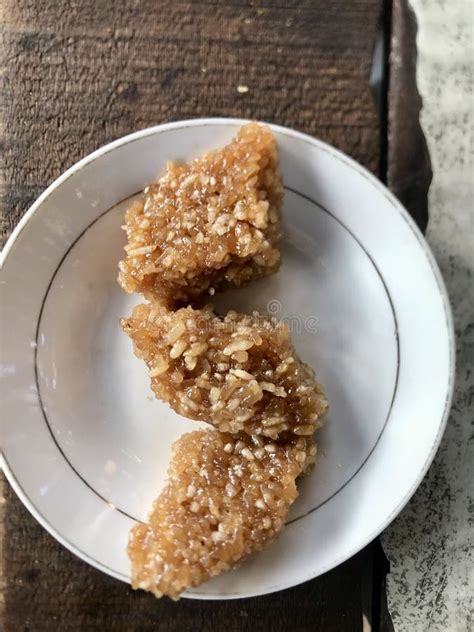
81,74
409,166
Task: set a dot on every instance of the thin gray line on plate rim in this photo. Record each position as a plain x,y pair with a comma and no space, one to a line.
91,487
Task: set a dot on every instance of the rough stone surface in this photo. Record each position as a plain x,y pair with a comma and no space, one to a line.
431,544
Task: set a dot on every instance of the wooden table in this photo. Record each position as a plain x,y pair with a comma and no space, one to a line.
79,74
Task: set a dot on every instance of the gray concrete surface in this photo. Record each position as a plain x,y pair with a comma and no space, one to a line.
431,544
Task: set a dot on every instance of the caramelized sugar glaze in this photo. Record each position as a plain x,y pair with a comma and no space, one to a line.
239,373
207,224
226,497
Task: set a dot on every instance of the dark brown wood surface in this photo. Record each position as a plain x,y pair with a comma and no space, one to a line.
78,74
82,73
409,165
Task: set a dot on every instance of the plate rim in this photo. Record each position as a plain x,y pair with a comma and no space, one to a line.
381,188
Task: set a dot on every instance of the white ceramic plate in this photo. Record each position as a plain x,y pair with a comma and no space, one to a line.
85,445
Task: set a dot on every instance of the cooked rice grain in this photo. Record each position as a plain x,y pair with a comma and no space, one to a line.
207,224
240,373
225,499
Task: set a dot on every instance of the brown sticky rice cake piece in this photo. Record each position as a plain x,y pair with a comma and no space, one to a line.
207,224
240,373
226,498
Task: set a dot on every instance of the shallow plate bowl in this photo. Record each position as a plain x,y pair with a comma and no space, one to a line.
86,446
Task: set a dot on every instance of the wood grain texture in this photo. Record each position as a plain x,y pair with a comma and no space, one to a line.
80,74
